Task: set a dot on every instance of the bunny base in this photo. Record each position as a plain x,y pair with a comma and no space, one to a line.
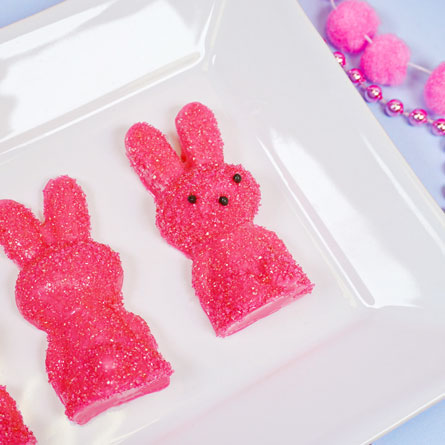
116,360
12,429
108,369
244,276
262,312
84,414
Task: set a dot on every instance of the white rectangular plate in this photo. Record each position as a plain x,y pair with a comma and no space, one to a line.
341,366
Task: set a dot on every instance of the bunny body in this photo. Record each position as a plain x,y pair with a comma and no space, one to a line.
205,208
99,355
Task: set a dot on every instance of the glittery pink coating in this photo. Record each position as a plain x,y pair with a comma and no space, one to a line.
434,91
385,61
348,24
12,429
99,355
237,275
61,226
151,156
199,135
241,272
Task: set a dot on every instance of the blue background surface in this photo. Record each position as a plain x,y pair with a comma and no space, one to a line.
422,25
13,10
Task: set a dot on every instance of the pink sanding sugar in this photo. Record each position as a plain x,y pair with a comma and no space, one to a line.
99,355
348,24
244,276
12,429
385,61
434,91
205,208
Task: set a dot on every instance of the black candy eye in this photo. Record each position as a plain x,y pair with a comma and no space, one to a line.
191,199
223,200
237,178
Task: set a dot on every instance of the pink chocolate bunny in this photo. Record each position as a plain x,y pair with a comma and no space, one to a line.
99,355
205,208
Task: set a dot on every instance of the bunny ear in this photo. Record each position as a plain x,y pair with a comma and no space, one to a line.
19,232
152,157
199,135
66,211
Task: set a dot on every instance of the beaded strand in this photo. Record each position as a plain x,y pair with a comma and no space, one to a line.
393,107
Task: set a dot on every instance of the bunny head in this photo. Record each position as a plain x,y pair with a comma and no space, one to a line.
198,196
61,267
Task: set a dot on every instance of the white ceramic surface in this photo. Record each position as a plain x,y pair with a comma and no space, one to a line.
361,354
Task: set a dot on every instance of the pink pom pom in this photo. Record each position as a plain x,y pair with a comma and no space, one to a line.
386,60
347,25
435,90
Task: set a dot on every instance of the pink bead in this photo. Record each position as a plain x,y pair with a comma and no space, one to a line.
438,127
373,93
385,61
394,107
356,76
418,117
341,59
348,24
434,91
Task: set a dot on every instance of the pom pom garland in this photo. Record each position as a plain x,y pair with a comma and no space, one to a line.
241,272
99,355
352,27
